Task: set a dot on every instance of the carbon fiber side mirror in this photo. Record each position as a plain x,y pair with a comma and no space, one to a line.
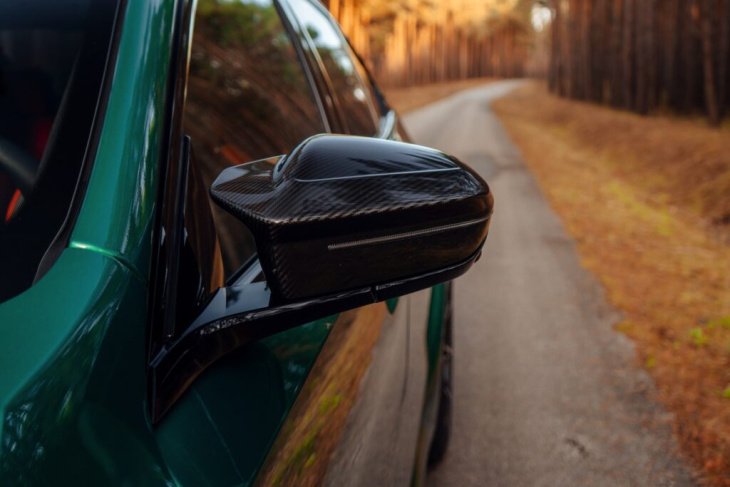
341,213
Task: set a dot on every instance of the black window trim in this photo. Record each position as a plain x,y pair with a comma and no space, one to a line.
174,157
388,116
316,74
168,214
376,105
384,109
318,96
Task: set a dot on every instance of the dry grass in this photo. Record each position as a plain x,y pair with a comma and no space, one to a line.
406,99
648,201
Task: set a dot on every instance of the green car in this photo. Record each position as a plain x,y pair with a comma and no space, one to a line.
199,283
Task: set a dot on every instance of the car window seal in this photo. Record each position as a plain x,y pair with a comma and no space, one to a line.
161,297
243,274
314,86
383,107
349,50
63,236
388,125
313,61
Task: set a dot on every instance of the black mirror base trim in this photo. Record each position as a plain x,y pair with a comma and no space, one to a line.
179,364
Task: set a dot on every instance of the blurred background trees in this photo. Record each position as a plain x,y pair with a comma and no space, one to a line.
408,42
643,54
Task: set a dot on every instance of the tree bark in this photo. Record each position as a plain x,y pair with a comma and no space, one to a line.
672,28
708,62
724,58
617,23
628,53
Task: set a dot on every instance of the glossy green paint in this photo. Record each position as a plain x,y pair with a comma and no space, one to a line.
120,200
223,426
73,386
111,254
435,329
221,430
72,355
76,414
434,343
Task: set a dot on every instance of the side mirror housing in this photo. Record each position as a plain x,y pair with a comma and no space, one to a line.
341,213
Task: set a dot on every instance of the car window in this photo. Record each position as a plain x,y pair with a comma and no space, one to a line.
353,94
52,60
248,99
368,83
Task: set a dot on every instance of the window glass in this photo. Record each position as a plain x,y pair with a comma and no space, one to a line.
247,99
368,83
352,93
52,59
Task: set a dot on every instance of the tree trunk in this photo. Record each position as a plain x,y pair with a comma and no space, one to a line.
724,58
617,23
628,54
671,74
585,20
708,62
556,58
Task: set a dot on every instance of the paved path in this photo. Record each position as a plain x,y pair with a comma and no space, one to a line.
546,392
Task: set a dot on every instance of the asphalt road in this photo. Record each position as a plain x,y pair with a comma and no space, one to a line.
546,392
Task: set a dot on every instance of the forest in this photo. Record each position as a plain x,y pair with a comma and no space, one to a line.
409,42
643,55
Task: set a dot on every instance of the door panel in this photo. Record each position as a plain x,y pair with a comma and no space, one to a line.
380,443
350,425
354,410
426,322
220,429
365,415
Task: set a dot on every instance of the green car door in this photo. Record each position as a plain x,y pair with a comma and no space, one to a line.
114,248
280,411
